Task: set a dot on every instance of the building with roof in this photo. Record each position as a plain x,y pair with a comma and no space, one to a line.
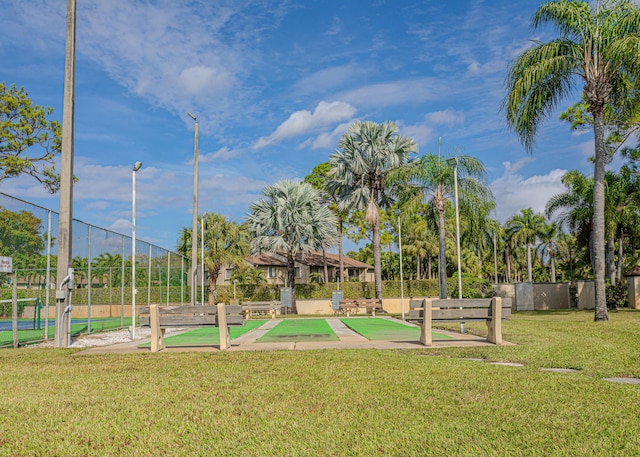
309,267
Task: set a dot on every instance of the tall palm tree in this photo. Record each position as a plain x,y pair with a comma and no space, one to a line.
433,177
598,47
366,155
225,243
291,220
524,229
332,193
549,235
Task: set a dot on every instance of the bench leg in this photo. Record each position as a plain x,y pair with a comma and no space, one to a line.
425,331
373,312
494,326
222,326
273,313
157,334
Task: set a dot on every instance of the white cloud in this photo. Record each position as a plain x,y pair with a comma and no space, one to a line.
301,122
201,79
394,93
514,192
448,117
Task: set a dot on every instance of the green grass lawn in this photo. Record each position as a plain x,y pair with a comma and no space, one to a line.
299,330
423,402
386,330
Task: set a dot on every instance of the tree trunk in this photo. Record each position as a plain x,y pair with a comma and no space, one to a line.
326,268
529,275
340,231
610,260
553,268
601,313
442,257
429,267
377,267
507,261
620,254
213,290
291,275
418,261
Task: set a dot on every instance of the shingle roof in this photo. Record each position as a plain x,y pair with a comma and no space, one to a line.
313,259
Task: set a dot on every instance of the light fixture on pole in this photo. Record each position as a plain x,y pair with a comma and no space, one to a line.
202,256
194,221
136,167
400,249
454,162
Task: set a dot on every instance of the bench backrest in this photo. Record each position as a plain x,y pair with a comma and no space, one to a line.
190,315
360,302
260,304
454,310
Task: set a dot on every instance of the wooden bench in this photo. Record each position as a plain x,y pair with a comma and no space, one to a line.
161,317
249,307
354,304
490,310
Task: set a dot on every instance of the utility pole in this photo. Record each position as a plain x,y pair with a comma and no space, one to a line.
194,221
66,178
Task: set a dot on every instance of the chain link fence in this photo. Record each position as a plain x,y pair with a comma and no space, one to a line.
101,259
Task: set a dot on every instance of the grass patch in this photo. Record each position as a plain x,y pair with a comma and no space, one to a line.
208,335
299,330
424,402
378,329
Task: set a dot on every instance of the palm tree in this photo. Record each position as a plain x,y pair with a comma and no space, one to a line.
549,235
433,177
332,193
291,220
368,152
225,243
525,228
598,46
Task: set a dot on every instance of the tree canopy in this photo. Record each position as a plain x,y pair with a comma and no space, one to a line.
29,141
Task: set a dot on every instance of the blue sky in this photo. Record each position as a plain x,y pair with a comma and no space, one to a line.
274,85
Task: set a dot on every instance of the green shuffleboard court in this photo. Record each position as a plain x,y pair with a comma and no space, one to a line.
296,330
378,329
208,335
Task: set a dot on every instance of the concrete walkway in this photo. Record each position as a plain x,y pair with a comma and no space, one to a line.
348,340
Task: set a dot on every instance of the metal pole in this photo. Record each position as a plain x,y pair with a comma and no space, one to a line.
202,257
66,175
455,180
168,274
122,286
48,281
89,279
136,167
495,258
149,280
181,279
401,279
194,222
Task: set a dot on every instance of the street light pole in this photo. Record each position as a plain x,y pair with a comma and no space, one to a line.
194,221
455,183
400,249
202,255
136,167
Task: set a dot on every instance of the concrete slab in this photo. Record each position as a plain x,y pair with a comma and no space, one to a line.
624,380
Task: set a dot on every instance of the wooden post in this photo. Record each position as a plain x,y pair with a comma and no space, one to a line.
222,326
494,326
425,332
157,334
